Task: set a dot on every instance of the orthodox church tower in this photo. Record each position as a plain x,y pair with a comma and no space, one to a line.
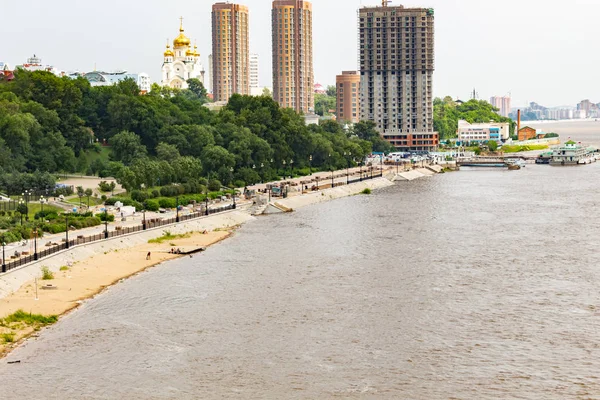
181,63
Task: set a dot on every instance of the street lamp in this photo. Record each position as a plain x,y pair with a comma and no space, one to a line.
26,196
105,222
283,162
262,172
144,220
291,169
206,202
67,231
317,183
177,208
42,201
360,168
348,167
35,254
20,213
3,258
310,164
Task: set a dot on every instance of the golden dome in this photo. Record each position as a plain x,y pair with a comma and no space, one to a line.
169,52
181,40
189,52
196,54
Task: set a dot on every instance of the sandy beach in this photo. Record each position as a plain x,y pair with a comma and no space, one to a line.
84,279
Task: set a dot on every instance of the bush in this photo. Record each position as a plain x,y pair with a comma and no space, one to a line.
167,203
54,228
2,213
152,205
214,185
239,184
104,186
10,237
138,206
47,275
139,196
102,217
155,193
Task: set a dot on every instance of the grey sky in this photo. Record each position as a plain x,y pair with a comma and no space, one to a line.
540,50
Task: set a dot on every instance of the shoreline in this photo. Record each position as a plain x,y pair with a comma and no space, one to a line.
96,267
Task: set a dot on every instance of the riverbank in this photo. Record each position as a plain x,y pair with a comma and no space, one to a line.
82,272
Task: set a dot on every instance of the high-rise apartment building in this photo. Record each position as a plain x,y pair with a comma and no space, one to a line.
396,67
208,80
502,103
254,81
231,56
293,76
348,98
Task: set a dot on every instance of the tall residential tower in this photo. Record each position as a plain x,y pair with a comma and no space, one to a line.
348,99
502,104
231,56
396,67
293,76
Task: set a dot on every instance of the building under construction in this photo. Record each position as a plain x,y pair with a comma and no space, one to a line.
396,51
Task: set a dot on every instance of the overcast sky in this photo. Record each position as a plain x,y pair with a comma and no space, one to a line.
538,50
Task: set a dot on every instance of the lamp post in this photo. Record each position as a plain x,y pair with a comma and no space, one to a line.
206,202
177,208
26,197
35,253
331,168
262,172
310,164
105,222
21,214
42,201
3,257
283,162
144,220
67,231
317,183
348,167
291,169
360,168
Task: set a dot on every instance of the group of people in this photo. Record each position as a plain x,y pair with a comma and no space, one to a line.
173,251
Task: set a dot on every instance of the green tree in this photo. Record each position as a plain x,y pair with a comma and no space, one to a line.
492,145
198,90
88,193
126,147
167,152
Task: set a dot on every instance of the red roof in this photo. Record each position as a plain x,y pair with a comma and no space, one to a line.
7,75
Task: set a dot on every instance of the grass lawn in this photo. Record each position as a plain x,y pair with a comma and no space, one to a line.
34,208
518,149
84,201
91,155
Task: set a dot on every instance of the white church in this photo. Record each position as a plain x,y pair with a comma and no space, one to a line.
181,63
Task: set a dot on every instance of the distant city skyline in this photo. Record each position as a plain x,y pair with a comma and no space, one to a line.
533,61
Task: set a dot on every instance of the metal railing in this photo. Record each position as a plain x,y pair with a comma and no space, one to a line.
119,231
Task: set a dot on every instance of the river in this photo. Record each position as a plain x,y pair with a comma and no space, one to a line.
480,284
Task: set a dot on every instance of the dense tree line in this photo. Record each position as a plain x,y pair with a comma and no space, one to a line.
50,123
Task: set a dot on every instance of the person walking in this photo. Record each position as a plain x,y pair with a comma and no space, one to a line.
148,256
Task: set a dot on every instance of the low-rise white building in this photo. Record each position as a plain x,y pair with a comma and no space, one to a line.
101,78
483,132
